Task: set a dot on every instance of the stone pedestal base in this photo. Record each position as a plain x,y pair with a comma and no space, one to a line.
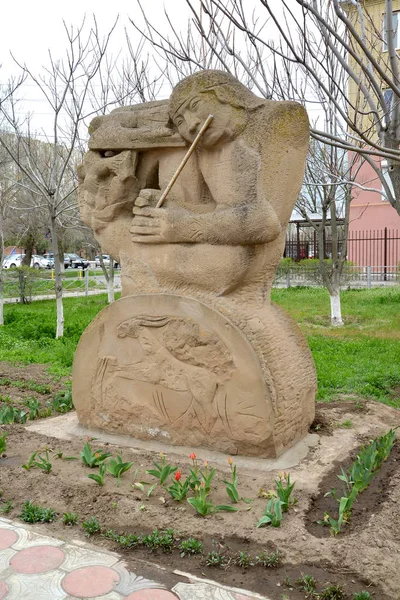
171,368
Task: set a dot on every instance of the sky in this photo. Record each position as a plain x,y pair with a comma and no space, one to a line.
41,29
31,29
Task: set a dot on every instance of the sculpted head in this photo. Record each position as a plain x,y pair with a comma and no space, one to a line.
211,92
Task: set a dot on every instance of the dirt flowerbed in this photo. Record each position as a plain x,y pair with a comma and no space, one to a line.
29,388
365,556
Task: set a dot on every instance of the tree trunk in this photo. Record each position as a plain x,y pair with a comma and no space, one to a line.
30,242
58,278
336,310
1,295
22,285
1,270
110,282
109,277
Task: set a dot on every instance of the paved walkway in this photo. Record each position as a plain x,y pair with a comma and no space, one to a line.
35,567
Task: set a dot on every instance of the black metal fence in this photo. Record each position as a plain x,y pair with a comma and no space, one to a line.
364,248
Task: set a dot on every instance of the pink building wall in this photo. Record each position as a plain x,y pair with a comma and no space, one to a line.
374,229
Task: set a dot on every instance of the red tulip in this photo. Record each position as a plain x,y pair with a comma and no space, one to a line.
193,456
178,476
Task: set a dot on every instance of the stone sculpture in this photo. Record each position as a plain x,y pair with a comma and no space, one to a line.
194,353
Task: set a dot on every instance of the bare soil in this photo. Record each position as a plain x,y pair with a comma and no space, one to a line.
20,383
364,557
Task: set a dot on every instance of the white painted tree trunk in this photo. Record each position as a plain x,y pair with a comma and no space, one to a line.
1,302
58,279
110,290
110,282
336,311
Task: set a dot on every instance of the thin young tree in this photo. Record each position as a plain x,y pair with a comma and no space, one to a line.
303,33
49,165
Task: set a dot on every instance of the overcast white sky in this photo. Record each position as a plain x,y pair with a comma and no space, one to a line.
30,29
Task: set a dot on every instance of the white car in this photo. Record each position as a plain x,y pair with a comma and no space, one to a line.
15,260
106,261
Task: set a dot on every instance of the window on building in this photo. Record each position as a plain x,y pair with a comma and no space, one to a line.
396,34
385,173
389,100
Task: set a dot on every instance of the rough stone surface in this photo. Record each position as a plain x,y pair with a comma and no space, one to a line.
195,349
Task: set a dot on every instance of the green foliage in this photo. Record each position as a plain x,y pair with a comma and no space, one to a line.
99,478
43,462
231,486
359,358
159,539
34,407
117,467
268,560
31,462
362,596
91,526
70,518
3,444
332,592
93,459
39,461
285,265
129,540
202,477
162,470
190,546
244,560
358,478
111,534
347,424
33,513
60,455
216,559
284,490
62,402
205,507
178,490
40,388
7,507
307,584
28,335
272,514
9,414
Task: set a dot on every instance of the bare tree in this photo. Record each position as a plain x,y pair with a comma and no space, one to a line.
7,191
303,33
49,166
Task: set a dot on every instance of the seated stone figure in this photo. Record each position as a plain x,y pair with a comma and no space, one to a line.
206,258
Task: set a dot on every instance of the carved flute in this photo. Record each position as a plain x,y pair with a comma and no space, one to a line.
184,160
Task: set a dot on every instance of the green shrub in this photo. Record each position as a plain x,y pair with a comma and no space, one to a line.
33,513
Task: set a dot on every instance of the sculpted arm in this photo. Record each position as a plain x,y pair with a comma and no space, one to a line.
242,215
239,224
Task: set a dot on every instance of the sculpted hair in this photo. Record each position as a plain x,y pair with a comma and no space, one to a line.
226,88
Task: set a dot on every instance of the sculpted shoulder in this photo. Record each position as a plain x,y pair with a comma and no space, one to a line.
286,122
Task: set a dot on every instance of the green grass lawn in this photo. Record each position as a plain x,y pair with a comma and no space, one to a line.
360,359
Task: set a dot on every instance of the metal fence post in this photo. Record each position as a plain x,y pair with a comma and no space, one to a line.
288,279
368,278
87,282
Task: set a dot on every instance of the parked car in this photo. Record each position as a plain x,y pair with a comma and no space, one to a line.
106,261
49,258
76,261
15,260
